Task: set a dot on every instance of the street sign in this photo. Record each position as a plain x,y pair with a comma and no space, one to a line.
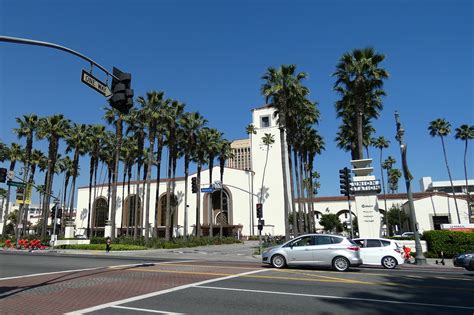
16,184
207,190
95,83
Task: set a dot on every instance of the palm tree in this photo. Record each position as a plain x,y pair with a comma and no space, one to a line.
440,127
78,141
115,117
171,117
213,147
94,138
151,106
281,88
250,130
201,159
466,133
53,128
136,126
190,124
387,165
28,125
268,139
382,143
360,82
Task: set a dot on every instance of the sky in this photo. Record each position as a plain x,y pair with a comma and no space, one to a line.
212,54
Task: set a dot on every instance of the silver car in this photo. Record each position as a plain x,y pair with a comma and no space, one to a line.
316,250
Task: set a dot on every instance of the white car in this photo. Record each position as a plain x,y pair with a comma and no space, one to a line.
380,251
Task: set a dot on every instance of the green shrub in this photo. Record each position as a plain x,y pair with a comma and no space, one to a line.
115,247
449,242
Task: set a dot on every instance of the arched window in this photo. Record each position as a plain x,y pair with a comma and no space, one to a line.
100,212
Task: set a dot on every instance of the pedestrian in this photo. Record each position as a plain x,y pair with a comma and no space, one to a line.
108,241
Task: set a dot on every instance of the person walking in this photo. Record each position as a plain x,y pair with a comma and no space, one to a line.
108,242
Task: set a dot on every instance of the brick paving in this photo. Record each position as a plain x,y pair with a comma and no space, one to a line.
70,291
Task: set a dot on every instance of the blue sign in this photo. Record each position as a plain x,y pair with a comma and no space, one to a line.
207,190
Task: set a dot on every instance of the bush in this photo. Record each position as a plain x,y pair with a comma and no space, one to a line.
449,242
115,247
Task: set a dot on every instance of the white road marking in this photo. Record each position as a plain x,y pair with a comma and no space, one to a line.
148,295
85,269
336,297
145,310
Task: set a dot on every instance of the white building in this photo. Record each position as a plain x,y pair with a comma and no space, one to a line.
427,184
242,189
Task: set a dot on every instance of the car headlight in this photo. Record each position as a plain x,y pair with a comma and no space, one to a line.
467,255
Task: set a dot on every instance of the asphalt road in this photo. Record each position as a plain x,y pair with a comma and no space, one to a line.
127,286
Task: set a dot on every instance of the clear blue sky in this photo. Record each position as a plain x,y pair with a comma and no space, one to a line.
212,54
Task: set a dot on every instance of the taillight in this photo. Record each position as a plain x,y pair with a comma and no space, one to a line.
354,248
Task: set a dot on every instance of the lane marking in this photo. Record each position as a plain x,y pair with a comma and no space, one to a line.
325,277
337,297
145,310
156,293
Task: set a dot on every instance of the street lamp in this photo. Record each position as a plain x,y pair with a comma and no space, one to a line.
419,258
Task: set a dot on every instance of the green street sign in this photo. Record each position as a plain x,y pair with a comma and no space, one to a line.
16,184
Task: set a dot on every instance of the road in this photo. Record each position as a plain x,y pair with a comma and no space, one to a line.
103,285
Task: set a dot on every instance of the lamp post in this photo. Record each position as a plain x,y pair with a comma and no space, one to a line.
419,258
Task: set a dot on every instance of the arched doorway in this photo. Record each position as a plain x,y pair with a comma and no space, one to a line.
132,215
162,213
100,212
221,213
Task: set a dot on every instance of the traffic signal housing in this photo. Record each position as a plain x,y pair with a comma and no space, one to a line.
345,181
194,185
259,210
3,175
122,94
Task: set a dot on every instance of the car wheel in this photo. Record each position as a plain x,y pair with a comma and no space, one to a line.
389,262
341,263
278,261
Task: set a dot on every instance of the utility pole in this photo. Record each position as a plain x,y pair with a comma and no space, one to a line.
419,258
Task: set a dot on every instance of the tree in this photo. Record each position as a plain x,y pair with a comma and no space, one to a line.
225,153
191,123
441,128
282,88
382,143
268,139
52,128
394,175
396,217
360,84
466,133
331,223
201,159
77,140
27,126
152,111
387,165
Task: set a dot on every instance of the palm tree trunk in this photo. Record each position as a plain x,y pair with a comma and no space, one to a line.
148,184
302,194
186,175
209,207
158,177
467,185
198,200
91,175
285,184
137,203
125,168
298,192
168,196
129,199
292,185
118,133
450,179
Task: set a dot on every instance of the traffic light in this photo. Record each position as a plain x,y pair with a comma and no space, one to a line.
193,185
122,95
345,181
259,210
3,175
52,213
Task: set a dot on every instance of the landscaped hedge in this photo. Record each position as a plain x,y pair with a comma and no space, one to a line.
173,243
449,242
115,247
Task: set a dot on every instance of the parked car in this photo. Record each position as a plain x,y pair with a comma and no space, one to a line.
80,237
336,251
465,260
380,251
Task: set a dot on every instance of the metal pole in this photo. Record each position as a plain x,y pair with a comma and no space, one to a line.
25,41
419,258
56,206
350,215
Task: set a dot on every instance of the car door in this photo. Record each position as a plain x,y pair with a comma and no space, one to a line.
372,251
300,251
322,252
